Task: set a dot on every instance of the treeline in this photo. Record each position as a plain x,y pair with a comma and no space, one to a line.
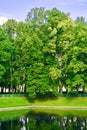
45,54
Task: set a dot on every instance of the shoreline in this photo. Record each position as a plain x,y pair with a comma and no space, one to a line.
44,107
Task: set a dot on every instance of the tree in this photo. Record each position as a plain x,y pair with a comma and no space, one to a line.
10,26
74,65
44,54
5,56
81,20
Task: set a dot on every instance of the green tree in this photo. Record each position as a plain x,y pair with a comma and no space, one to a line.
5,56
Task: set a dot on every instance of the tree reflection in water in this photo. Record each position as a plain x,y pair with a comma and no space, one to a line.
45,122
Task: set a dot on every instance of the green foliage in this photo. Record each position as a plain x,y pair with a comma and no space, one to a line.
2,71
45,53
5,56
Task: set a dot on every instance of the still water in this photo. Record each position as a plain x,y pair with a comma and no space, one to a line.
42,121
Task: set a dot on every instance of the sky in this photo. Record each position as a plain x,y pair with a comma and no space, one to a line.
18,9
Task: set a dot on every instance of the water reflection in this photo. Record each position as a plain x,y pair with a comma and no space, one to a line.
45,122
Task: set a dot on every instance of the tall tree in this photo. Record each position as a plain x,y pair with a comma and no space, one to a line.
5,57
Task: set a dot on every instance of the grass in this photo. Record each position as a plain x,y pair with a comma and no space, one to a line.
60,113
13,102
60,101
9,115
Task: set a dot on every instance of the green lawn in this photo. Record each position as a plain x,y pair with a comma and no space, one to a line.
13,102
61,101
79,113
10,115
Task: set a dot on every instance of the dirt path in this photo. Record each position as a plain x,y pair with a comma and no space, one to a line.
44,107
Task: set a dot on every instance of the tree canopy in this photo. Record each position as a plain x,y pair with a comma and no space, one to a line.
44,54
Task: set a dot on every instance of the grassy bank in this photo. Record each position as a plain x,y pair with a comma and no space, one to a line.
10,115
61,113
13,102
61,101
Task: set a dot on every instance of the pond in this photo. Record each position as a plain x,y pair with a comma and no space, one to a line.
43,120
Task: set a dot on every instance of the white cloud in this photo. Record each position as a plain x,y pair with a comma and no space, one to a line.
3,20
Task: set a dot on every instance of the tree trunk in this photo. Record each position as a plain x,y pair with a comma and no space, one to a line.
11,80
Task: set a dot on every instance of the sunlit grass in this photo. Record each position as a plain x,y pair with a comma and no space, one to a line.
6,115
79,113
60,101
13,102
10,115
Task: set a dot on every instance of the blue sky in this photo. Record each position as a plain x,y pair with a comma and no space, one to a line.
18,9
